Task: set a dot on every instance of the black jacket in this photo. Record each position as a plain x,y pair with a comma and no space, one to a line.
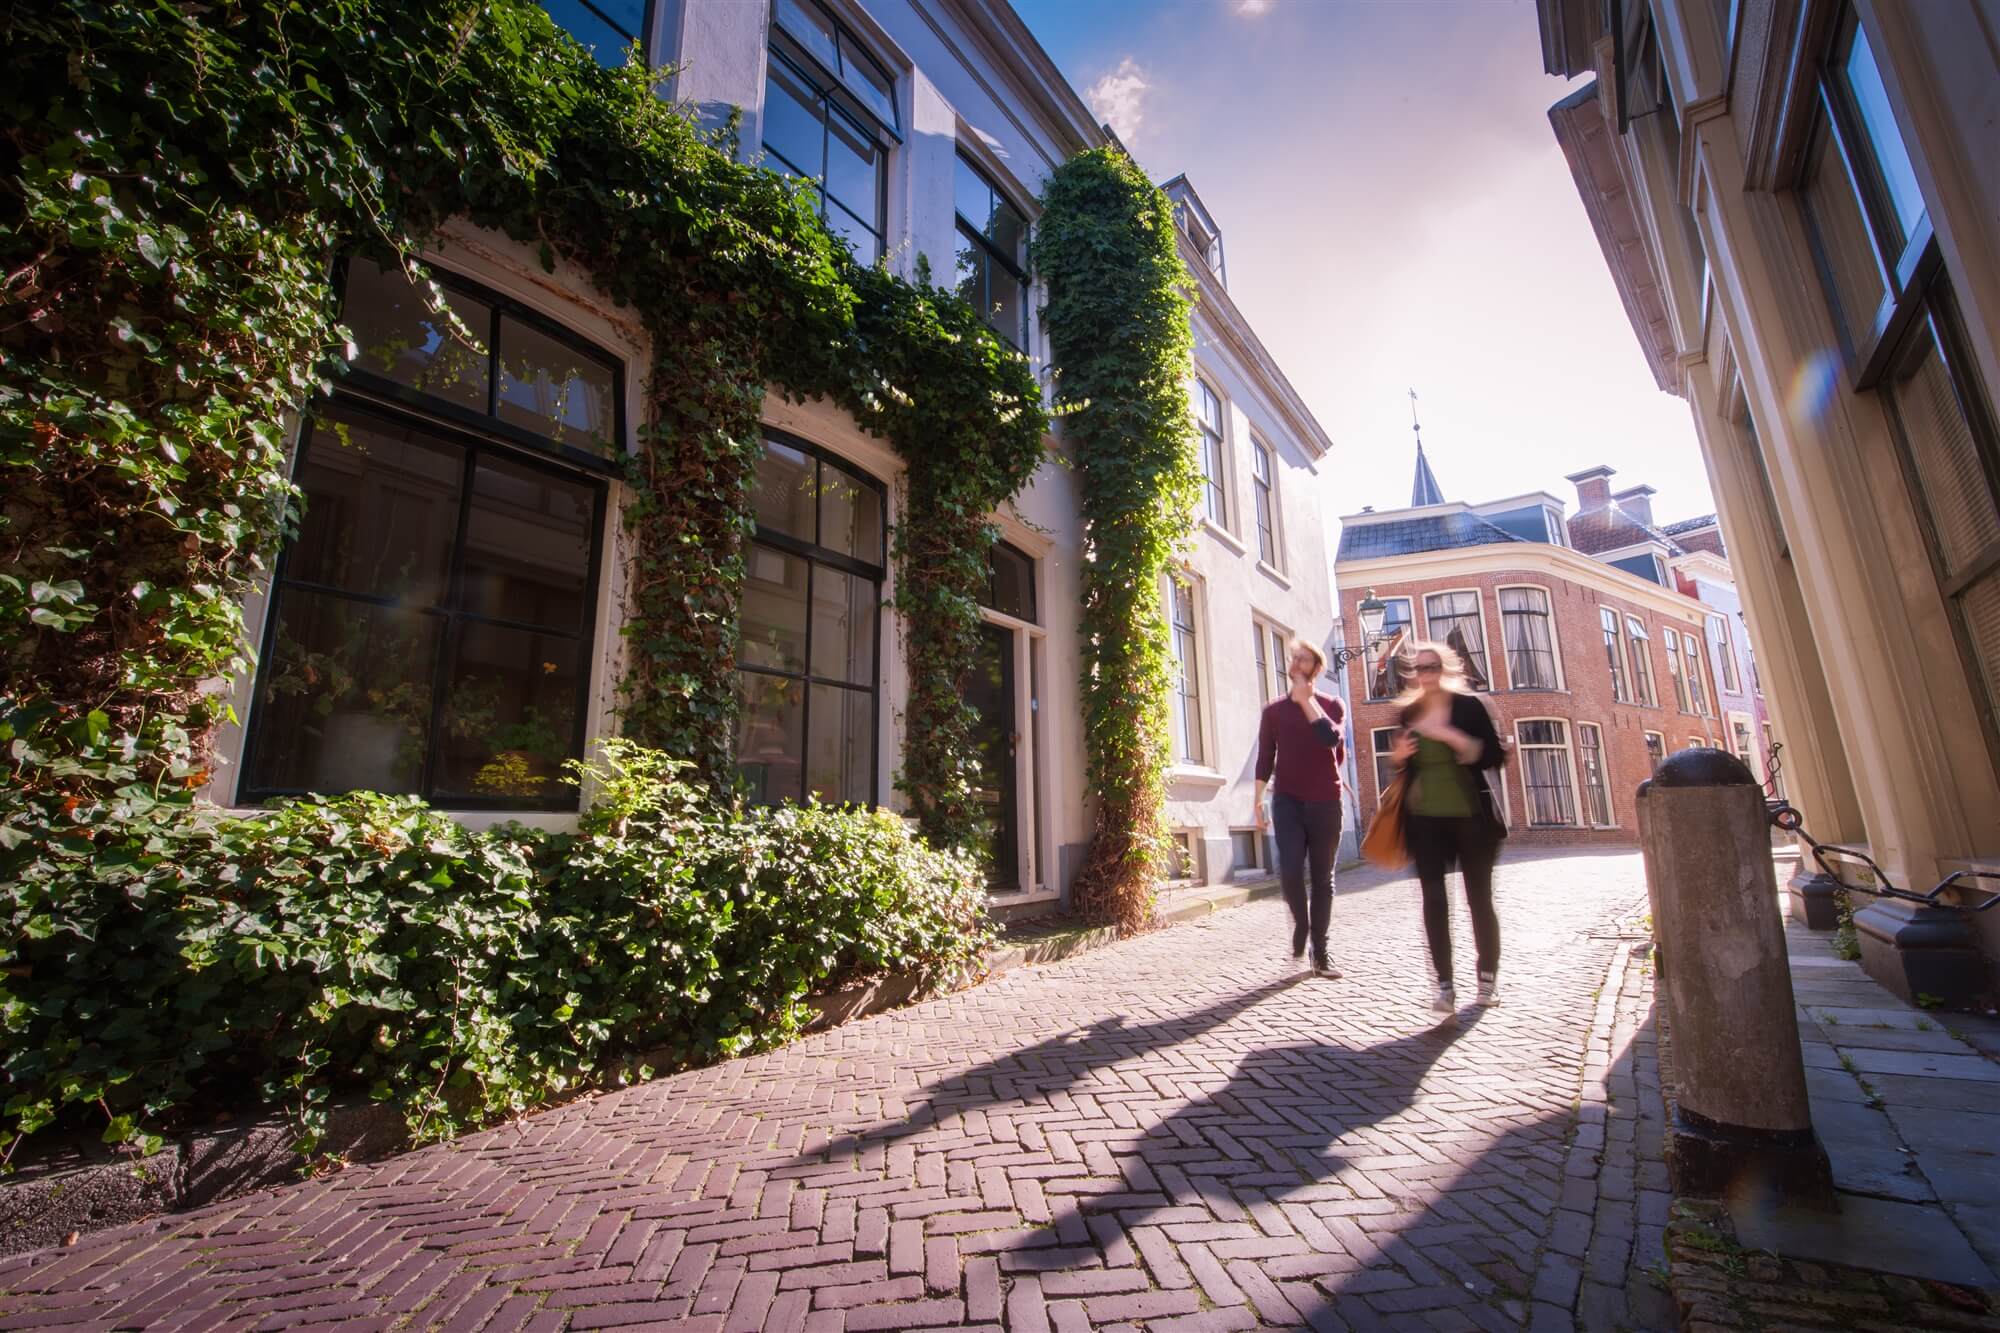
1470,716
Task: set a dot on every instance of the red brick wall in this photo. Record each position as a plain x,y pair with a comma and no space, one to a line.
1585,696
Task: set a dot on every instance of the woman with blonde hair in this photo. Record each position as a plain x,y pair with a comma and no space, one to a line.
1446,746
1301,745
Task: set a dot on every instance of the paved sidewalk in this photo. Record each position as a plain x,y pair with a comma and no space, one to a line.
1173,1133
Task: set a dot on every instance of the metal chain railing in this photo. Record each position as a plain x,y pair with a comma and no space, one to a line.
1785,816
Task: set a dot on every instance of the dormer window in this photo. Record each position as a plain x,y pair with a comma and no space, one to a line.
1207,243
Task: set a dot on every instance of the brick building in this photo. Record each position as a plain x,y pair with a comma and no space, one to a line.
1583,635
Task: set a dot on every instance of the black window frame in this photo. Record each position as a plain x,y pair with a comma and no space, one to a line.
453,614
463,418
835,98
814,554
648,18
1016,268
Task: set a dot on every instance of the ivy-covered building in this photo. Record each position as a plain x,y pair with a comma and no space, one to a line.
454,616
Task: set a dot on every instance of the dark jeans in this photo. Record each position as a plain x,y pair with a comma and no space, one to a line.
1435,844
1307,829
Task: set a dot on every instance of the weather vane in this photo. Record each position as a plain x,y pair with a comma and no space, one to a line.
1414,427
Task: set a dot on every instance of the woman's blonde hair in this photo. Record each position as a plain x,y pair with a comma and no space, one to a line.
1318,655
1454,670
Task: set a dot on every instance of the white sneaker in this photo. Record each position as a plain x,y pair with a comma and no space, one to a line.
1489,990
1446,1001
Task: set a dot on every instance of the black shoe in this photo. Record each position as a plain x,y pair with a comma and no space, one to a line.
1325,968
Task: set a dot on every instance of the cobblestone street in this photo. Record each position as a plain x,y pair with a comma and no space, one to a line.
1178,1132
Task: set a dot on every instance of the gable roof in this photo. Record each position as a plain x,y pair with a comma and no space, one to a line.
1407,536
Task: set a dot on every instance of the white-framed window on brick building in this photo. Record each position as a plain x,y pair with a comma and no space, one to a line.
1548,779
1455,621
1740,742
1656,750
1691,657
1719,643
1670,641
1385,664
1214,455
1527,628
1381,740
1614,655
1594,773
1639,653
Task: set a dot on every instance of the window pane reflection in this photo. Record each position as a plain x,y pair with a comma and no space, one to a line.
381,509
843,629
399,337
774,610
1892,159
769,735
527,546
344,698
552,389
840,751
510,714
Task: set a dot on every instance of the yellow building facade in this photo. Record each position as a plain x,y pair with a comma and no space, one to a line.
1799,201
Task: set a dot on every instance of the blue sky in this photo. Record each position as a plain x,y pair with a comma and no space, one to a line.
1396,214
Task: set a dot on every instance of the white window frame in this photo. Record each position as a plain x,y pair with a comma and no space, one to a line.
1370,663
1269,657
1479,611
1670,643
1380,757
1697,695
1204,677
1728,677
1262,448
1184,857
1569,759
1219,482
1650,696
1557,535
1555,635
1621,669
1661,737
1603,777
1747,750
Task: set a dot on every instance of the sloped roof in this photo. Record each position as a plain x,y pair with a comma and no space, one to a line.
1610,528
1408,536
1424,490
1687,525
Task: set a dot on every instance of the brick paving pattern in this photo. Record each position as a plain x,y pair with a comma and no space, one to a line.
1178,1132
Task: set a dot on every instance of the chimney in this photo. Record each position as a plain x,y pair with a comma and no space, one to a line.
1593,488
1638,502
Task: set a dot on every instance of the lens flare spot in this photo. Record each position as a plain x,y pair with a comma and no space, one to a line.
1813,387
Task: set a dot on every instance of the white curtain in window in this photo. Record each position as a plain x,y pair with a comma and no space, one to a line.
1531,657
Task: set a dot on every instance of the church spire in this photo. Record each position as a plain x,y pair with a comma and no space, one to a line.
1424,490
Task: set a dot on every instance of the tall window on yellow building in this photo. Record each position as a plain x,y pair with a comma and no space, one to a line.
1891,293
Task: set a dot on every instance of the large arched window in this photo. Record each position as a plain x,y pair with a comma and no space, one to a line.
812,611
430,624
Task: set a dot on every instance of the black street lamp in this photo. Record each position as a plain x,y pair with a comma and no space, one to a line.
1371,612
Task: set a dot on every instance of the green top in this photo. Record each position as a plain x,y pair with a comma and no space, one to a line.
1439,791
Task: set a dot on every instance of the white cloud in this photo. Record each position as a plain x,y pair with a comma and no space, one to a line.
1119,98
1252,8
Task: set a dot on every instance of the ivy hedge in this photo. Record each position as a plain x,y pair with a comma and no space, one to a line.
1118,327
171,960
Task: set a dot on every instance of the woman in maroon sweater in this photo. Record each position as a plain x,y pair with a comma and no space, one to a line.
1301,745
